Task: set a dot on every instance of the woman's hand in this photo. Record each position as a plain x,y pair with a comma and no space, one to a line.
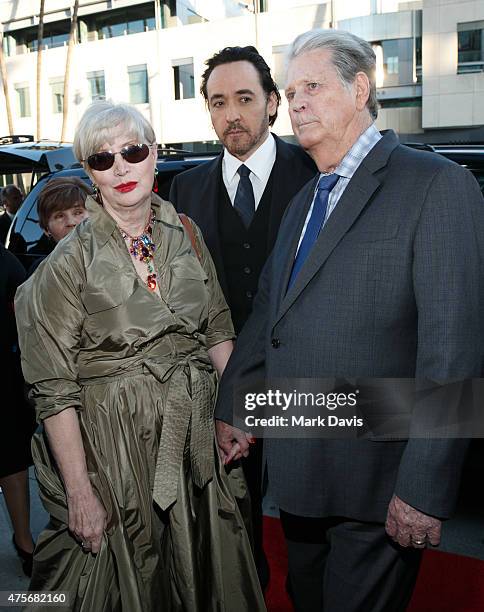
87,518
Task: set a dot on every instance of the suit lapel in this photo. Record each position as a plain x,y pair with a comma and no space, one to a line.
356,196
209,196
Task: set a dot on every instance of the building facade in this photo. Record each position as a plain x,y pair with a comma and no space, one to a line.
430,56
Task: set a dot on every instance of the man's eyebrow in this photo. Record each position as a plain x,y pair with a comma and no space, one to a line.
244,91
216,97
239,92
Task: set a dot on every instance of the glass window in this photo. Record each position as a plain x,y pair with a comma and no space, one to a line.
184,80
23,98
278,65
138,84
470,37
394,62
118,22
97,87
56,34
136,26
57,89
9,44
418,58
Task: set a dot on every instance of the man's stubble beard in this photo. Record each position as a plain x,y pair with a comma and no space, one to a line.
239,149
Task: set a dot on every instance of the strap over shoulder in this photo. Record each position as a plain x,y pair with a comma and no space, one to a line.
187,224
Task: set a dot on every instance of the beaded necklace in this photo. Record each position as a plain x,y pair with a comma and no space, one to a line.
142,247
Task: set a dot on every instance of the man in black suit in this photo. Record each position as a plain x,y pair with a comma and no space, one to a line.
376,274
11,199
238,199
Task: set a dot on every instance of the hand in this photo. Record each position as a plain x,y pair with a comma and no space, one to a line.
87,519
233,442
410,527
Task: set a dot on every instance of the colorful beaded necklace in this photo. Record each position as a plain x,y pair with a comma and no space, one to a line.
142,247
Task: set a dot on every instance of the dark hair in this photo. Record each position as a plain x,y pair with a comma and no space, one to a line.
243,54
61,194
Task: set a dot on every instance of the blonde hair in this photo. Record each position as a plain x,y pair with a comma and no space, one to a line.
102,120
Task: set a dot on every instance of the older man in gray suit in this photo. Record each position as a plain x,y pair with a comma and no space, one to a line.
376,273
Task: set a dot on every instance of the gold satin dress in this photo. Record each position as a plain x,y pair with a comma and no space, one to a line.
136,369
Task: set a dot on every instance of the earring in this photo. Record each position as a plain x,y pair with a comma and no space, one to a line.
96,194
155,182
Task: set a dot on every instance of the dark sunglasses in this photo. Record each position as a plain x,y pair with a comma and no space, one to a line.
132,153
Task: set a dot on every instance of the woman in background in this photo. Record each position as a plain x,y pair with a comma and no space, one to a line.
61,206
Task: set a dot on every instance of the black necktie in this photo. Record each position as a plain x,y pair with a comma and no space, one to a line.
315,223
244,202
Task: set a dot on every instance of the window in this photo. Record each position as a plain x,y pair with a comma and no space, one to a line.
23,99
418,58
118,22
278,65
138,84
394,62
184,80
96,85
56,34
470,37
57,89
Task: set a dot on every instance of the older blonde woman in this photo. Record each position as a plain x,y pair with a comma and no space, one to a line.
121,331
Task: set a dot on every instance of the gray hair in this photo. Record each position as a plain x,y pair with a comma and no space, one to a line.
104,119
350,55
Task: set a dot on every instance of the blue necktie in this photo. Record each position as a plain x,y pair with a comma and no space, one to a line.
315,223
244,202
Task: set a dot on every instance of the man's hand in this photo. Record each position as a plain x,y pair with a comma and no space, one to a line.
233,442
410,527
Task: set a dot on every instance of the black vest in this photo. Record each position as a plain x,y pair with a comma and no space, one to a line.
244,252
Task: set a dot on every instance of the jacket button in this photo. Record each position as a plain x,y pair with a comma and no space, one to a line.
276,343
247,270
249,294
246,245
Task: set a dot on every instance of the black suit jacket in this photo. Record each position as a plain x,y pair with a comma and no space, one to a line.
196,193
5,223
393,288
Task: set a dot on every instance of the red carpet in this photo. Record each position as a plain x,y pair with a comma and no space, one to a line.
446,583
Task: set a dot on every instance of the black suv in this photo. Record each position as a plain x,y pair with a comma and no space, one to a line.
469,156
27,240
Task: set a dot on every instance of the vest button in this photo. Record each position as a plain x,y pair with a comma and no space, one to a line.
276,343
247,270
246,245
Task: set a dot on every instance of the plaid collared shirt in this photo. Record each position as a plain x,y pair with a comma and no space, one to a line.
346,169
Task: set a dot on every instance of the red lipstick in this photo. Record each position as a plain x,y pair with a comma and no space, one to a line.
125,187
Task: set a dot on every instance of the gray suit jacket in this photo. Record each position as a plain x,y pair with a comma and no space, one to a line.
393,288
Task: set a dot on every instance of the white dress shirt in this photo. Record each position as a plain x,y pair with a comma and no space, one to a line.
260,165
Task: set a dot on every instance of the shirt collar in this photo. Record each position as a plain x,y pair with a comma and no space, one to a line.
350,162
259,163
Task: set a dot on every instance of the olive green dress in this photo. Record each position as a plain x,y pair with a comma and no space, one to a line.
136,369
